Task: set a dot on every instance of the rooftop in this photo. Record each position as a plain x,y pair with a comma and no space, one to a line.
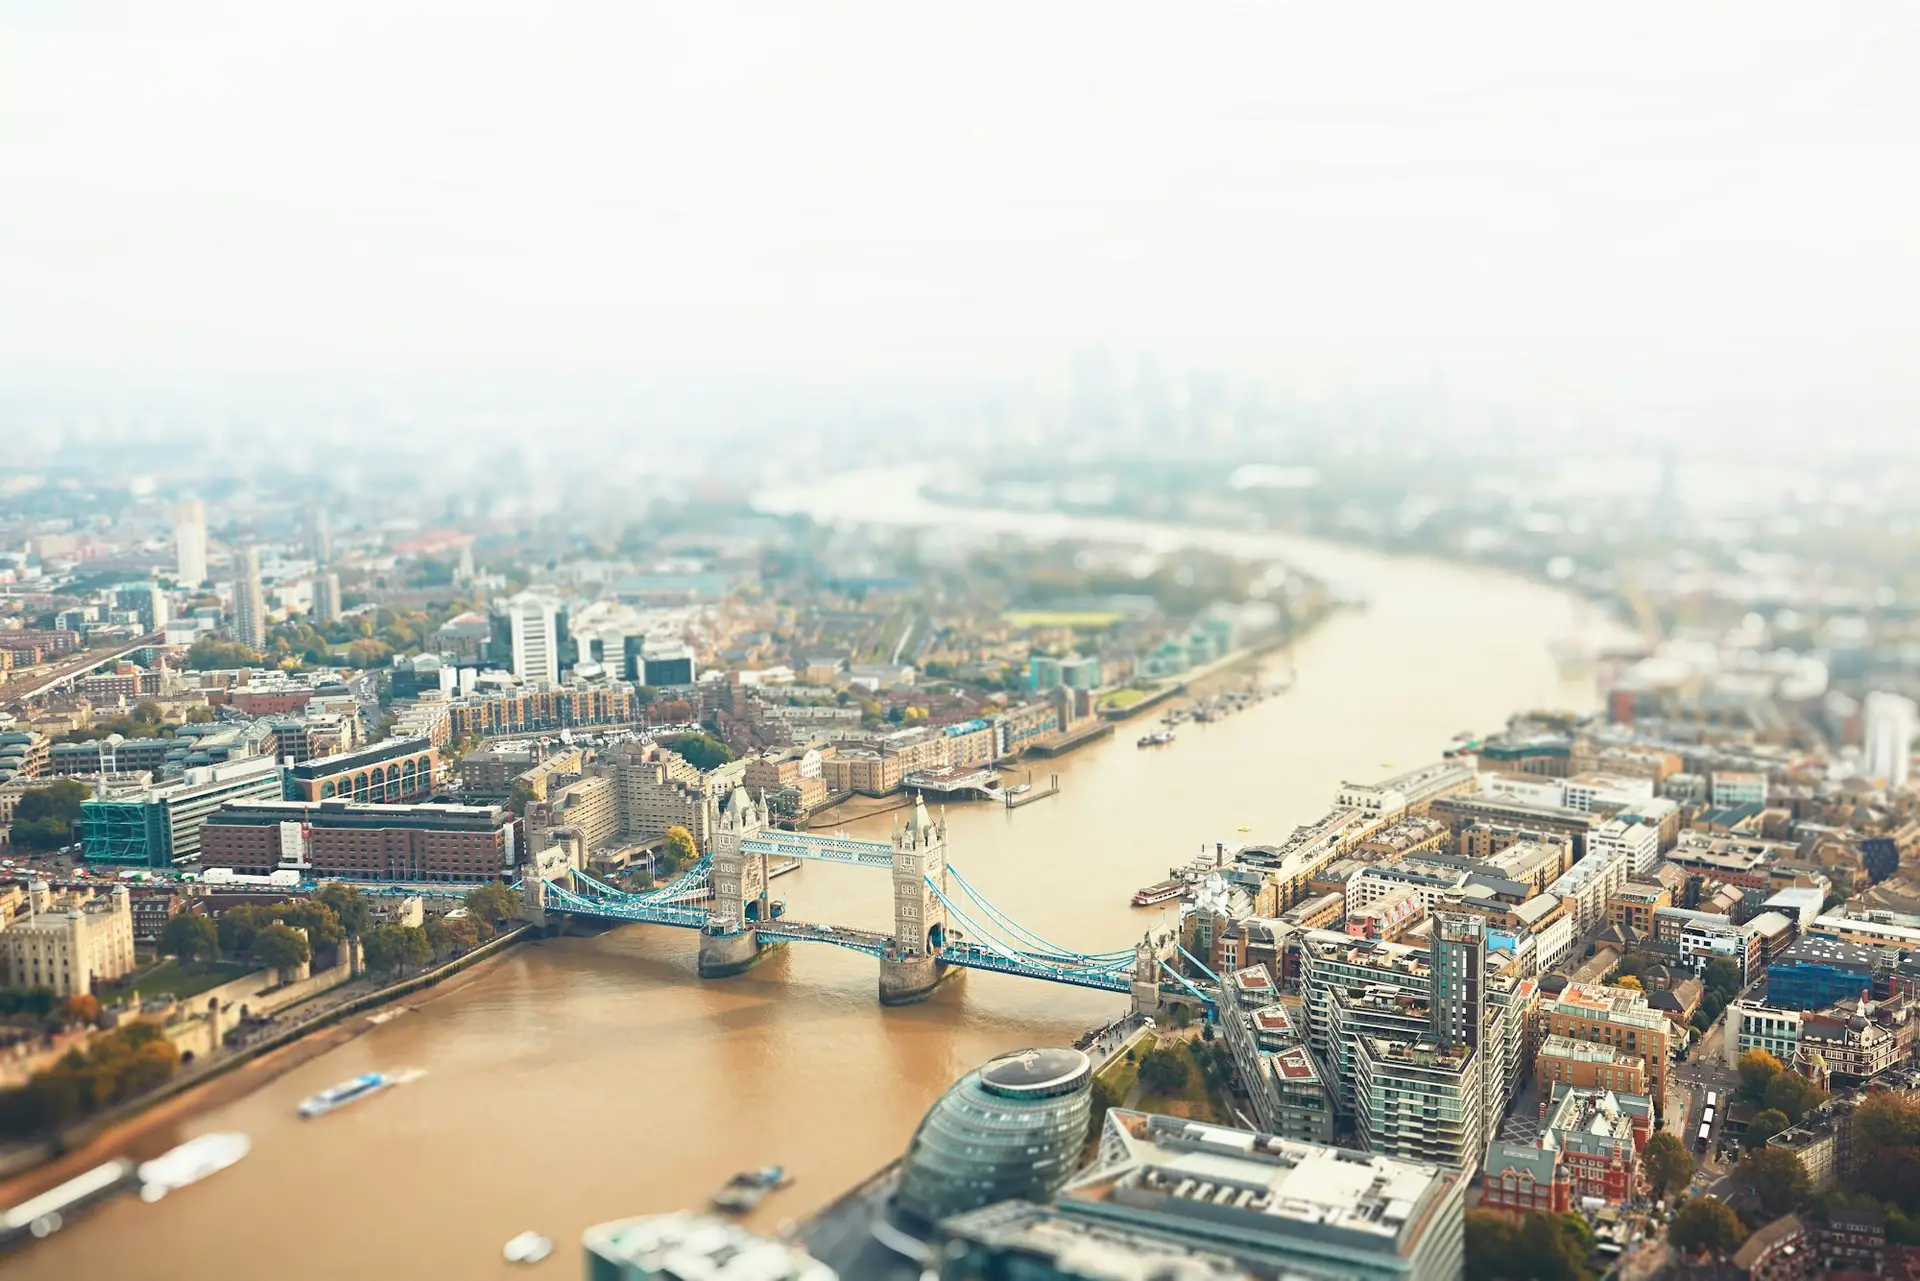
1350,1200
1568,1047
1295,1064
1614,1004
1814,950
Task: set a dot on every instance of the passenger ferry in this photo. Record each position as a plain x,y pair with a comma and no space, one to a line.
191,1162
46,1214
1157,893
1161,739
346,1092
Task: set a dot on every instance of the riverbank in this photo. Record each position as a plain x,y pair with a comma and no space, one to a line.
112,1133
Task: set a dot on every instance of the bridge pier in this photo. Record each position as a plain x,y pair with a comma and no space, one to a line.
905,980
725,955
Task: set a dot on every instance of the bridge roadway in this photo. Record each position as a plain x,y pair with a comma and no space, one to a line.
965,954
81,664
777,843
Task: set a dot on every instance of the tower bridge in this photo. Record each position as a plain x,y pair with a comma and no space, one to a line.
941,923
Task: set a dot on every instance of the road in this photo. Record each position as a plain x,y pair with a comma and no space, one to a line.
33,685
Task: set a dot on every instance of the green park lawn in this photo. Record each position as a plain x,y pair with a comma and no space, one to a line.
182,979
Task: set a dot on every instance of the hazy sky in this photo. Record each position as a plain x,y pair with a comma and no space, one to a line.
1628,201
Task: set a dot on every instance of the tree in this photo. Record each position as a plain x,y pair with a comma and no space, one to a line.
1757,1070
492,902
81,1007
1164,1071
317,919
1533,1247
1705,1223
190,937
281,946
1893,1173
448,937
1493,1244
43,818
702,751
519,796
208,654
1793,1095
1628,981
349,905
367,652
415,951
382,944
677,851
1721,977
1104,1100
1885,1120
1776,1177
1668,1164
1764,1126
396,947
237,927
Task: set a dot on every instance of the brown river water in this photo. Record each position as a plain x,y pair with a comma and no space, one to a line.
583,1079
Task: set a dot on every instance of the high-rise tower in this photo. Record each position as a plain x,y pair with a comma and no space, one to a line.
190,542
1458,947
1889,729
249,602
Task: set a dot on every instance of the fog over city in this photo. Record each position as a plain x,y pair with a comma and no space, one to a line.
632,218
1032,640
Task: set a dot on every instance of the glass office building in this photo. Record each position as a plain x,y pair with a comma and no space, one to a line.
1011,1129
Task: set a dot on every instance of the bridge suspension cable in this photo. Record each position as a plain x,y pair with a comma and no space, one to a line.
1196,963
1183,981
1026,936
987,937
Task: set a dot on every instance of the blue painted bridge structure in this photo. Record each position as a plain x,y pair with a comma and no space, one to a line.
942,923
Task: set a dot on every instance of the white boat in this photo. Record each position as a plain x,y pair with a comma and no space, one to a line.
46,1214
346,1092
191,1162
528,1247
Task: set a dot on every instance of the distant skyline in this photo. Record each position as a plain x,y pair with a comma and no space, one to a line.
1701,212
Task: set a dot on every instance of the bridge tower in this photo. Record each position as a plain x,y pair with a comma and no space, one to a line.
729,944
739,878
911,968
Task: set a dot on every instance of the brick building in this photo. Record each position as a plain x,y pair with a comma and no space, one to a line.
458,843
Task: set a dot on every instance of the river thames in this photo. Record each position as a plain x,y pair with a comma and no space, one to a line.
583,1079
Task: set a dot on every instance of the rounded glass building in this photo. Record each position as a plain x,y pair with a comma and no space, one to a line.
1011,1129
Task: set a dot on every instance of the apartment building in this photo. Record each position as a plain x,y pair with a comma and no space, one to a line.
589,806
391,772
659,789
543,707
1632,907
1562,1061
1281,1079
1617,1017
1637,844
1420,1101
1589,886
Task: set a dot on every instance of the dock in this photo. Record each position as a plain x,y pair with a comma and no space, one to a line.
1052,788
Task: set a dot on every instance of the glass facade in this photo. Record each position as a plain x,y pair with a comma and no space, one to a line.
1010,1130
